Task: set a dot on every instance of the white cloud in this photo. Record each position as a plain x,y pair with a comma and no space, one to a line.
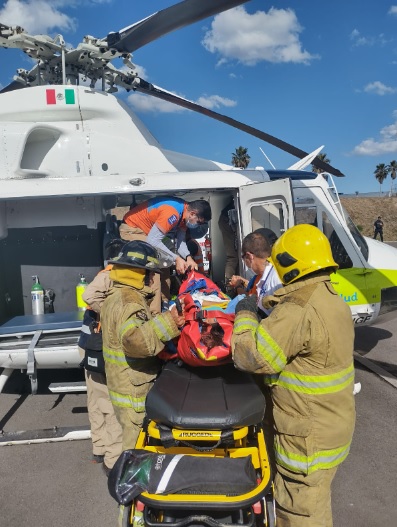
393,10
147,103
37,16
359,40
141,71
386,144
215,101
379,88
271,36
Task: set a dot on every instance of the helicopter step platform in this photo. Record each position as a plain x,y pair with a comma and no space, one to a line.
68,387
46,435
46,341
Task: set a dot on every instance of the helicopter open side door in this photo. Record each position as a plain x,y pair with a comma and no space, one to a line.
268,204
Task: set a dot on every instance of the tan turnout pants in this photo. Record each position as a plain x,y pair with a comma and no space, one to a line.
303,501
106,432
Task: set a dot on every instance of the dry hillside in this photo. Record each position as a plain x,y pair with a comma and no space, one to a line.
364,212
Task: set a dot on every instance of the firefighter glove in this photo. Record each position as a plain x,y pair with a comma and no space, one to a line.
247,304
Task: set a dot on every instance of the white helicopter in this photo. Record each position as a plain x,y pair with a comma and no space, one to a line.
65,164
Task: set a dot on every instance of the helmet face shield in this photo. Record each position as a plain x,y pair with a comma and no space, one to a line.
301,250
165,260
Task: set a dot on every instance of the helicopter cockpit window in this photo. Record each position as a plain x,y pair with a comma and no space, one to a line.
306,214
270,215
338,251
357,236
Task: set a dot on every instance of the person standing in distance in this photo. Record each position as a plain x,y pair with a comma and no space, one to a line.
378,228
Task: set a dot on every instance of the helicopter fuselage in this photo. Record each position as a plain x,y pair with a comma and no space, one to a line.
70,155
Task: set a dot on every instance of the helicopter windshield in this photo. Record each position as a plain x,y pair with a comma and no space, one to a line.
314,211
358,237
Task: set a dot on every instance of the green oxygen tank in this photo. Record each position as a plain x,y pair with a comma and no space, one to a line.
37,296
80,288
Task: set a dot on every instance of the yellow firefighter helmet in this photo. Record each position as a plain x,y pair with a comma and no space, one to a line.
301,250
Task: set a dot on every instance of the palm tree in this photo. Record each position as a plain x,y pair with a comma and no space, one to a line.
321,157
381,172
392,170
240,158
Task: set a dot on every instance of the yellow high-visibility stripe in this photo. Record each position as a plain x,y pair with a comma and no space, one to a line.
131,323
313,384
321,460
161,328
270,350
245,324
126,401
120,359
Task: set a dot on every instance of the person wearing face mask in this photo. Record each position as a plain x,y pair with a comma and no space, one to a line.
256,250
155,218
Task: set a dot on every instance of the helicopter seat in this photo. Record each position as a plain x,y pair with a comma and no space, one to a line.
205,398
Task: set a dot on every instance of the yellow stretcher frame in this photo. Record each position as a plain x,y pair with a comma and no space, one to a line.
257,452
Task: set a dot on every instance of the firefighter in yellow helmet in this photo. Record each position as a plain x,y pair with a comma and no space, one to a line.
304,350
132,337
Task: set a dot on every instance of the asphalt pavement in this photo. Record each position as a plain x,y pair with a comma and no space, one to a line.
56,484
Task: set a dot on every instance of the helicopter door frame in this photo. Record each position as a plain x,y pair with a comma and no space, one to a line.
274,208
272,197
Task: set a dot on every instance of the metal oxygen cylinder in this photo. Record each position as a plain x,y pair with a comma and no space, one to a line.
80,288
208,252
37,296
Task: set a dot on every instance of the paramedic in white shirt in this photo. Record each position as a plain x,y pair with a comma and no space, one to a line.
256,250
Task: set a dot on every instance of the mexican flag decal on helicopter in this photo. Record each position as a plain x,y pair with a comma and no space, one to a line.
60,96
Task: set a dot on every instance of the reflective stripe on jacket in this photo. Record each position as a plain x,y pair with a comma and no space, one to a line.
305,351
131,341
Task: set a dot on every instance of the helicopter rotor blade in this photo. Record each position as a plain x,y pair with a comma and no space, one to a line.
14,85
165,21
143,86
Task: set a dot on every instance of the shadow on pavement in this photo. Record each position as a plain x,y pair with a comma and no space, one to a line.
390,368
18,403
367,337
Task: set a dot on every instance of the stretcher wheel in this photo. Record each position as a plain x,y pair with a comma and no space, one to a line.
270,517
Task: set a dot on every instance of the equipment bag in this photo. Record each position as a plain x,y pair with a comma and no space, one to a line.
205,338
93,358
138,471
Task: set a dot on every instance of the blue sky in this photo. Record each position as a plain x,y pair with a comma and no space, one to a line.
310,72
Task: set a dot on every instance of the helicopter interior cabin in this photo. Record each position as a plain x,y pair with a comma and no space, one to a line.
60,238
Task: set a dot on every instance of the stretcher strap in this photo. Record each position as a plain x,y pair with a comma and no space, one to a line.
162,486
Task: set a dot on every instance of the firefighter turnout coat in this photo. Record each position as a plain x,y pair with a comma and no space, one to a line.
131,340
305,351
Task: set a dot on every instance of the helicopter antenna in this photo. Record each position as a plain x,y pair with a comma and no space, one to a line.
274,168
